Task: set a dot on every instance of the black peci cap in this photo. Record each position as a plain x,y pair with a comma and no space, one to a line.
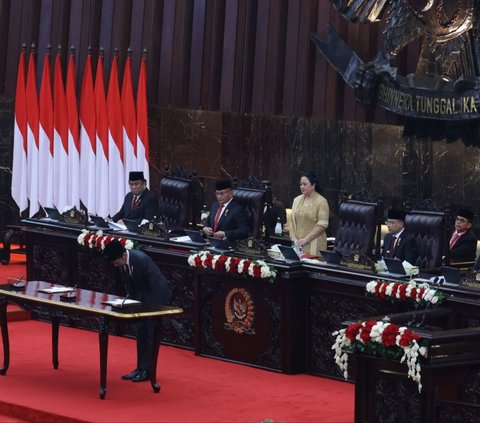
467,214
136,176
396,214
113,250
223,184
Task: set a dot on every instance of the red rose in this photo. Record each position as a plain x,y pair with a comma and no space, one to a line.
377,288
389,335
402,291
246,265
407,338
198,262
257,271
352,331
396,285
220,264
234,261
366,330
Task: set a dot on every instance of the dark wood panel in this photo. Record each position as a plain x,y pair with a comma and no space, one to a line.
4,18
196,54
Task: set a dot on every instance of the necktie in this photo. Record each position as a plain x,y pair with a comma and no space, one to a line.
217,218
454,239
134,202
126,271
392,245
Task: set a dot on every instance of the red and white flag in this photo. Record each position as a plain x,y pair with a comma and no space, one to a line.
143,148
129,123
115,142
73,136
60,139
102,203
19,165
32,136
45,141
87,140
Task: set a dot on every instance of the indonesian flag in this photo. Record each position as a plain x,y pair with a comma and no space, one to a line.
32,136
73,137
143,149
87,140
19,165
129,123
45,161
60,139
116,171
102,202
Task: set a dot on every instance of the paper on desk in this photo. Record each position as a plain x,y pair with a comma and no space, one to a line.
55,290
120,302
117,226
184,238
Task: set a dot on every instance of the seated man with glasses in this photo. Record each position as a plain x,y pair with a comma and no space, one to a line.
463,243
227,218
139,203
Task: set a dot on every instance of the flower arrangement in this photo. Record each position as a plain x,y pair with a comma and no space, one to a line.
99,241
380,338
406,291
222,263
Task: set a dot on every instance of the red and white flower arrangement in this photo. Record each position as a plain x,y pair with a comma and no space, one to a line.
406,291
222,263
380,338
99,241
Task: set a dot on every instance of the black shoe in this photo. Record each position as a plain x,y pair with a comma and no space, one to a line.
131,376
141,376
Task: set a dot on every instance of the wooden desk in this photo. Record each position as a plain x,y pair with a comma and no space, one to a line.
88,305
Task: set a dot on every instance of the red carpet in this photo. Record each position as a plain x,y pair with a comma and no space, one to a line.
194,389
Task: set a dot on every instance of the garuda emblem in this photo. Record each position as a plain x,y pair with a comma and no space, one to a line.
445,84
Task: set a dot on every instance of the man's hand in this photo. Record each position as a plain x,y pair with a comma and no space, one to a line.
207,231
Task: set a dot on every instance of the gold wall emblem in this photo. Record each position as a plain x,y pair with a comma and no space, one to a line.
239,311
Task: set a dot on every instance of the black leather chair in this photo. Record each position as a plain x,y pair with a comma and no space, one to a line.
176,199
357,226
428,228
255,196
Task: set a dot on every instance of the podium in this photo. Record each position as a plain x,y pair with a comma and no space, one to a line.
450,375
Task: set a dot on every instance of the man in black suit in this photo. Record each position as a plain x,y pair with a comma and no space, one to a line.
143,282
227,218
463,243
139,203
399,243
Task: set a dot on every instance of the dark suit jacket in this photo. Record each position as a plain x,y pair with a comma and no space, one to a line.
405,249
146,208
233,222
465,249
147,283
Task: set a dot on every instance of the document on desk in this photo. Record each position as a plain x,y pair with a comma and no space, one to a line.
120,302
56,290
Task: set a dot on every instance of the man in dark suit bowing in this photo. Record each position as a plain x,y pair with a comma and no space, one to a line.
143,282
139,203
463,243
227,218
398,242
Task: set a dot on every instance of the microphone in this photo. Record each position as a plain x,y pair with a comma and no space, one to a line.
125,299
74,289
19,284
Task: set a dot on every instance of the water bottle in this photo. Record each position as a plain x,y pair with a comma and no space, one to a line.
204,215
278,228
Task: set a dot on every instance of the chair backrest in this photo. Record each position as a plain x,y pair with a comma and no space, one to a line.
255,196
358,224
428,228
175,200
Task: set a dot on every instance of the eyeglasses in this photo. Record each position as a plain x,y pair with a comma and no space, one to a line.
461,219
222,193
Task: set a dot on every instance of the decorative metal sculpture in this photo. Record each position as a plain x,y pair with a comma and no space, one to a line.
445,85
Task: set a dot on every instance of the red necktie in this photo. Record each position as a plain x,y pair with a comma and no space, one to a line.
454,239
392,245
134,202
217,218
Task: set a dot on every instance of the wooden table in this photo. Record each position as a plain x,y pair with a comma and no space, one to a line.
87,304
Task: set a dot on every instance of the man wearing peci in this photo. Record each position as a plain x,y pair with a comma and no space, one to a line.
227,218
143,282
139,203
398,242
463,243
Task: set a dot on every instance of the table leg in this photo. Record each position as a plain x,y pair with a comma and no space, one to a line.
55,329
103,342
6,343
156,346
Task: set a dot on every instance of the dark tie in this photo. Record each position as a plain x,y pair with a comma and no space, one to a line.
392,245
217,218
126,271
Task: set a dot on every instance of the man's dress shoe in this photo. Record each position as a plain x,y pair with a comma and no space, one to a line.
131,376
141,376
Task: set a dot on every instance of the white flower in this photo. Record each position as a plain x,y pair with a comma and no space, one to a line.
129,244
371,286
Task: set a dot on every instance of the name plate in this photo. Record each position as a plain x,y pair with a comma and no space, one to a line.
357,262
77,217
251,247
471,280
154,229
